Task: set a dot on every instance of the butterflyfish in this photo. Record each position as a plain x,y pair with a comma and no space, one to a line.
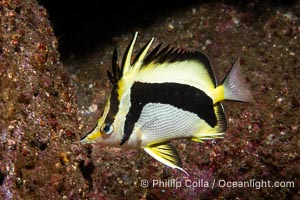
165,95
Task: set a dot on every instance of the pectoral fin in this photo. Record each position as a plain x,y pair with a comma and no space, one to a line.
166,154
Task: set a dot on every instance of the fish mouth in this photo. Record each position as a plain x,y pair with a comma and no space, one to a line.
85,138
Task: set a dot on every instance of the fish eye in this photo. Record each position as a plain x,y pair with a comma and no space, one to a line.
107,128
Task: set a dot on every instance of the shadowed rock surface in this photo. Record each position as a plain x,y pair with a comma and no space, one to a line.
38,112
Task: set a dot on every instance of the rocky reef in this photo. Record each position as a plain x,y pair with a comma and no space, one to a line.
47,105
38,109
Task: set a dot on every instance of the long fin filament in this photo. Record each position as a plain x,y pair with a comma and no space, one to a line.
127,55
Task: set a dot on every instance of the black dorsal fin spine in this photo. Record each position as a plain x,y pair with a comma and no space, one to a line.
152,54
115,65
140,52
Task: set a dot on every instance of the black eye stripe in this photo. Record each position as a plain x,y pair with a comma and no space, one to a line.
113,106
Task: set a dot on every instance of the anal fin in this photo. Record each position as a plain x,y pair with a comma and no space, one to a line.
166,154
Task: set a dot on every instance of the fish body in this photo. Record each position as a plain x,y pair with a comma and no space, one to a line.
165,95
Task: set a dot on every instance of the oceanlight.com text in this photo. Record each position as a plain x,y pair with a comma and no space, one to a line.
179,182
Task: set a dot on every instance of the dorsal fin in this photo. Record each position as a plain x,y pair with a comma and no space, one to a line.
155,57
142,53
172,55
152,54
126,63
116,73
